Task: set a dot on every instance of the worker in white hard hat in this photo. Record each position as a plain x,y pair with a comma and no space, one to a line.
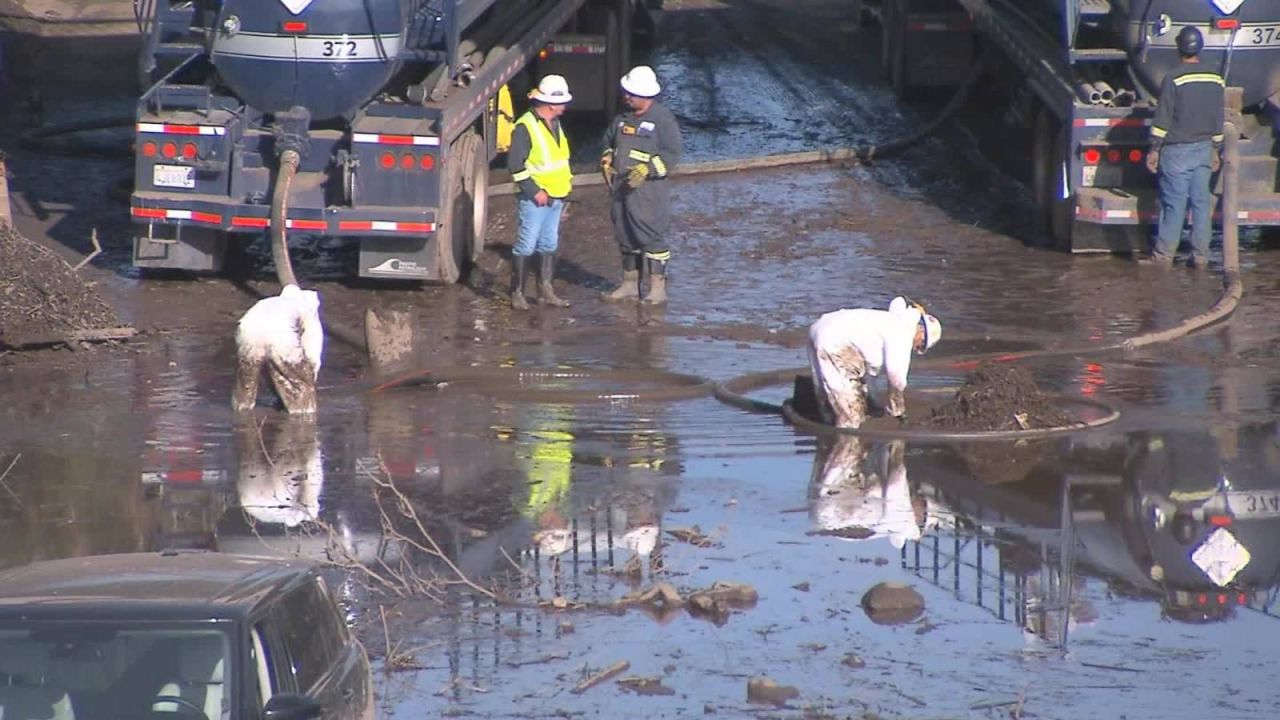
641,148
539,163
283,335
848,346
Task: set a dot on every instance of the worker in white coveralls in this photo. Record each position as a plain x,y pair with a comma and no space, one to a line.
848,346
283,335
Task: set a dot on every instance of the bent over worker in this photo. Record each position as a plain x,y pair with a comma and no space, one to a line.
539,163
642,147
848,346
1186,143
283,335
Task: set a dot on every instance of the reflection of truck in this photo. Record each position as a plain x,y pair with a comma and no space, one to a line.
374,121
1084,75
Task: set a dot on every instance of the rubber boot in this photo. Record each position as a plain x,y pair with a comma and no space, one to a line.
657,294
546,272
630,287
517,282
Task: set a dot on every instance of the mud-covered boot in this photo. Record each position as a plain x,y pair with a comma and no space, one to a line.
546,273
517,282
629,288
657,294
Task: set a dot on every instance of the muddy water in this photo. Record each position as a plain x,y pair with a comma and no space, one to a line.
1049,577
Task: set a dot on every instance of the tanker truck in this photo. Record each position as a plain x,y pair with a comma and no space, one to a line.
1084,76
372,121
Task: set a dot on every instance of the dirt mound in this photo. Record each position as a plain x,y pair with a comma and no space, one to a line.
999,397
41,296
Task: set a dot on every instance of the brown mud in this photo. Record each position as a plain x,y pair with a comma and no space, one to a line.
41,295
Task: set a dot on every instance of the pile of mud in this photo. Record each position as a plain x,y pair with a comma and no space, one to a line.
999,397
41,295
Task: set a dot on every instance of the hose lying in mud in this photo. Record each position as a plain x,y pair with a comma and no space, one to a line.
734,392
48,138
861,153
513,384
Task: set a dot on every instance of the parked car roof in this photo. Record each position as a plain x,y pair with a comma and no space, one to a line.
167,585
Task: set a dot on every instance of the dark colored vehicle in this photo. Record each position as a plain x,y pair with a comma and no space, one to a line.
181,635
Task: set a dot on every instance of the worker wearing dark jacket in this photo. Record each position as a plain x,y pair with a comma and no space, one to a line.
539,162
1186,137
642,147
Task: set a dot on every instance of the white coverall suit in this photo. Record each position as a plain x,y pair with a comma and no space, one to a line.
847,346
284,335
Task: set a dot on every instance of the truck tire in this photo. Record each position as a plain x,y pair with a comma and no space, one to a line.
607,20
1057,213
457,234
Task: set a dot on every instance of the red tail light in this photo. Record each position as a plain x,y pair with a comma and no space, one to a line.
408,161
387,161
1113,156
1220,520
293,26
189,151
149,149
428,162
1135,156
1223,23
169,150
1092,156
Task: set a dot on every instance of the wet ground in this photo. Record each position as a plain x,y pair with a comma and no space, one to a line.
1058,576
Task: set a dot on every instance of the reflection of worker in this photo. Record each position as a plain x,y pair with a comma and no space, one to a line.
642,147
284,335
1186,138
281,476
845,496
539,164
846,346
547,459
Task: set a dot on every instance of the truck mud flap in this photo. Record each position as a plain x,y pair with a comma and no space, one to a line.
180,247
411,258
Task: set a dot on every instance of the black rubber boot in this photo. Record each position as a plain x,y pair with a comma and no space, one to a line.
546,273
517,282
630,287
657,294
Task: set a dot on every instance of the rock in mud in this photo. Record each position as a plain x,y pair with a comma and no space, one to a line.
764,690
718,602
645,686
891,603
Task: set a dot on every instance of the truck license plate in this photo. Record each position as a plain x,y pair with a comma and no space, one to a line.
1254,503
173,176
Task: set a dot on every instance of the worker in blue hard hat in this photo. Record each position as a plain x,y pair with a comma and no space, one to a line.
1186,142
641,148
539,164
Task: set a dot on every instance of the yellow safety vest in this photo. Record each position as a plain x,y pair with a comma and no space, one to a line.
548,161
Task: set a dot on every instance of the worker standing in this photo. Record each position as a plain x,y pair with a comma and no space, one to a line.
642,147
848,346
1186,143
282,334
539,164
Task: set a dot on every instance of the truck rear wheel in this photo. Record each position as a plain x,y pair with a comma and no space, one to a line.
1051,188
460,229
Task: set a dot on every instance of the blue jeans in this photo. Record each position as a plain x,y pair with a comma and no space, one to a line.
1184,181
537,228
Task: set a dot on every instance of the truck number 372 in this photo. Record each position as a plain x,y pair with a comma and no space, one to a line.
339,48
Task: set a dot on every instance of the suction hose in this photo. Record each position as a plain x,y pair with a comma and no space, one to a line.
289,160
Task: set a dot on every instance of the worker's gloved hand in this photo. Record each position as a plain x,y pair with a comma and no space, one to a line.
1153,160
606,169
638,175
897,405
1215,159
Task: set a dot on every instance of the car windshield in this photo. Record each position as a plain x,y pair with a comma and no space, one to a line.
103,672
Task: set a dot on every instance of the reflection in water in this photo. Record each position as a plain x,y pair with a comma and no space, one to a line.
861,497
1187,520
281,477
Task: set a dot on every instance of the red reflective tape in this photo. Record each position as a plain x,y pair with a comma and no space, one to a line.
308,224
395,139
207,218
148,213
416,227
254,222
182,129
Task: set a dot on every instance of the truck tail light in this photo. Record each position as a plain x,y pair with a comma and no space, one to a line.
189,151
427,163
169,149
1226,23
149,149
387,161
1092,156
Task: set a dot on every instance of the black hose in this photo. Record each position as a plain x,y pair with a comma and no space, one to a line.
41,139
511,383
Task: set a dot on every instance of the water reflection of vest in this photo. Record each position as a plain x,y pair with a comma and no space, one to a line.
548,468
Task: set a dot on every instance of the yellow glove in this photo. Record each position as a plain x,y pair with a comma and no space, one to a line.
638,175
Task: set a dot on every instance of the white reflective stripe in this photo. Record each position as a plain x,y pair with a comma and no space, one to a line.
178,214
180,129
384,225
1108,122
1119,213
394,139
309,48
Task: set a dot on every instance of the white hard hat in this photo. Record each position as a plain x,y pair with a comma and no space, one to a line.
553,90
556,541
932,330
641,82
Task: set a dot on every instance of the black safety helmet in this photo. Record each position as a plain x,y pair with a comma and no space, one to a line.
1190,41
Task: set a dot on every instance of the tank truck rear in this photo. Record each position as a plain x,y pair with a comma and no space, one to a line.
1084,76
374,121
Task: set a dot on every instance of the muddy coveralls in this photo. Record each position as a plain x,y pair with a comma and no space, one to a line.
848,346
642,215
846,495
282,335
